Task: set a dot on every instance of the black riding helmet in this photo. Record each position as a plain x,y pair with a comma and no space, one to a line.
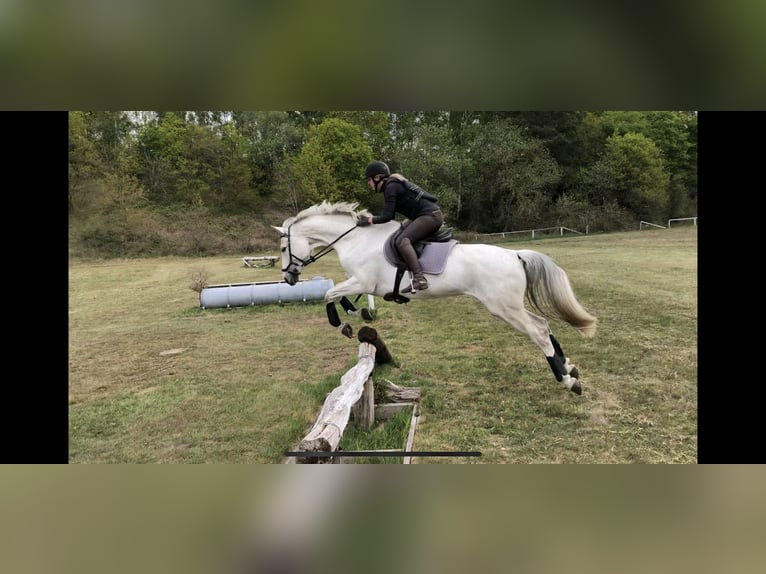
377,168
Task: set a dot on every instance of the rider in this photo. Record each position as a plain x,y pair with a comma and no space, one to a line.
424,215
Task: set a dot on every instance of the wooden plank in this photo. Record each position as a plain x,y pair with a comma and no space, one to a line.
397,393
387,410
411,435
327,432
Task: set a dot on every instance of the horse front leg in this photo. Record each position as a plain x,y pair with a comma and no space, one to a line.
334,319
349,287
351,309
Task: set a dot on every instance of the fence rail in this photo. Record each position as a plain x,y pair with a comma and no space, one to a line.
683,219
539,231
643,224
546,231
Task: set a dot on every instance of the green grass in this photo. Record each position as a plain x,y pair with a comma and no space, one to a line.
244,385
390,434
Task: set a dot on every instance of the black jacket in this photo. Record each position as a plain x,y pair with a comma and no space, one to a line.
398,199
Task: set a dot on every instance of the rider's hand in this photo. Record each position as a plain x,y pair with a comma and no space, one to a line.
363,221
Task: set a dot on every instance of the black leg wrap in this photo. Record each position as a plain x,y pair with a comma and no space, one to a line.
347,305
332,315
557,348
557,366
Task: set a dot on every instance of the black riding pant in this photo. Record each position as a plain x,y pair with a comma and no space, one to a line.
420,228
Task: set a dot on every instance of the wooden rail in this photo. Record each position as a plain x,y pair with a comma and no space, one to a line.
260,261
326,433
355,396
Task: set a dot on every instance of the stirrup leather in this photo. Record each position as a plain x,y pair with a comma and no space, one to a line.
395,295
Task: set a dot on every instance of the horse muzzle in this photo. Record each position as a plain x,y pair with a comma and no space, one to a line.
291,275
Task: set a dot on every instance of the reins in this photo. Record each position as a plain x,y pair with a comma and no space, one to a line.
322,252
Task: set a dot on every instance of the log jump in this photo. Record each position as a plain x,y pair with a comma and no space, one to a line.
355,396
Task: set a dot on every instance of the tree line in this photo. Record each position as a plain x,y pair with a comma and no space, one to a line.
132,172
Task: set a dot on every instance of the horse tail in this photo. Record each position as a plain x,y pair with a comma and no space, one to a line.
550,293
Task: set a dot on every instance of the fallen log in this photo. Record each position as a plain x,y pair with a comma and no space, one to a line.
327,432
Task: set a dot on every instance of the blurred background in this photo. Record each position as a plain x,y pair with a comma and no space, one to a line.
101,54
354,518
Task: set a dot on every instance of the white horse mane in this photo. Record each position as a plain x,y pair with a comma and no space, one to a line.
326,208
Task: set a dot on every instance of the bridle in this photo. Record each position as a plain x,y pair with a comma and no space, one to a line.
297,261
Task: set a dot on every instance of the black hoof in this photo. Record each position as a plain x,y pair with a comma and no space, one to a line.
347,330
576,388
366,315
574,373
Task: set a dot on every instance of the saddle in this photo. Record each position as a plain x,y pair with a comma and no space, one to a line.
442,236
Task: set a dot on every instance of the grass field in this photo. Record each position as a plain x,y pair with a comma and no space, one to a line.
153,378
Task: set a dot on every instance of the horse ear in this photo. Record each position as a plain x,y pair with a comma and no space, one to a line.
280,230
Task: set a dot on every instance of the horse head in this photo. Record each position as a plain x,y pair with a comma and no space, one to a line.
295,250
299,238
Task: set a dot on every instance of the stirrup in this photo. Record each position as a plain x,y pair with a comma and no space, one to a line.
416,285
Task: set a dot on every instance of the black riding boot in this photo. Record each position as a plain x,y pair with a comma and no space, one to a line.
419,282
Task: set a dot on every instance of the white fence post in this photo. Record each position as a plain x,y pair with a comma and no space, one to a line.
683,219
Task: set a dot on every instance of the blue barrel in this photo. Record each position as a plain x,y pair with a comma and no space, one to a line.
266,293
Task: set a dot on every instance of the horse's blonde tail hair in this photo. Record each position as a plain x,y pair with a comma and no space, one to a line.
551,294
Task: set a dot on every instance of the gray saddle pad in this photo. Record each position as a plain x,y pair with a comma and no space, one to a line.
433,259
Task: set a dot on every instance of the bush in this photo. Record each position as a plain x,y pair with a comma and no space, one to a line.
187,233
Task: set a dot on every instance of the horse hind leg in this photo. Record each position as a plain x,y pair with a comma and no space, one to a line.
570,368
539,332
562,369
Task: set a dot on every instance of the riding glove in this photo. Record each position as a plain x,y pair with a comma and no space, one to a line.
362,221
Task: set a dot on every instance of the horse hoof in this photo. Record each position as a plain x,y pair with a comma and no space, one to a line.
347,330
574,373
576,388
366,315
